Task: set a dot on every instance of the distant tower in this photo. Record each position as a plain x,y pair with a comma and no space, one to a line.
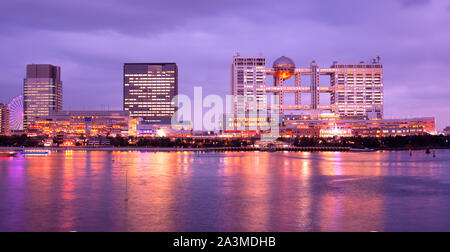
42,92
315,87
15,107
4,120
284,68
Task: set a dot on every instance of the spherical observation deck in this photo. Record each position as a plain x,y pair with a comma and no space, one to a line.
284,67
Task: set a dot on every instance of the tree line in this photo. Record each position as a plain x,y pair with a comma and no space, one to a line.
397,142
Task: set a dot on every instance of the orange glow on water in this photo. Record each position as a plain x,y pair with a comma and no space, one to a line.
185,191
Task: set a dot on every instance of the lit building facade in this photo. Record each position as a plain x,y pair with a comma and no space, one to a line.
327,126
164,130
42,92
356,90
248,83
4,120
75,124
244,125
334,126
149,90
447,131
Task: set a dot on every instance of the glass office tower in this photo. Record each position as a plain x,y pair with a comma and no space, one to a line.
149,89
42,92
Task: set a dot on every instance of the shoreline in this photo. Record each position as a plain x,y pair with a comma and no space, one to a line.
224,149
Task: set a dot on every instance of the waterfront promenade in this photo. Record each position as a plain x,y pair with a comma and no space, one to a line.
224,149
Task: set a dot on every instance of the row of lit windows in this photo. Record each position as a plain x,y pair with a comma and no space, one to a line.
159,83
150,90
148,94
153,78
360,102
154,106
150,115
147,110
149,103
169,80
150,73
156,92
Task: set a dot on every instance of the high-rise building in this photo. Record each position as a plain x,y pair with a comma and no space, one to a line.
248,82
358,89
149,90
42,92
355,90
4,120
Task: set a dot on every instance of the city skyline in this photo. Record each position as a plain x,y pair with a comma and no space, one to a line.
414,51
223,124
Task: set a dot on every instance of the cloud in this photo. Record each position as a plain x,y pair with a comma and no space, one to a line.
138,17
410,3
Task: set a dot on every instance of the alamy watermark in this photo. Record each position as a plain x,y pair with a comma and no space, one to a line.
237,114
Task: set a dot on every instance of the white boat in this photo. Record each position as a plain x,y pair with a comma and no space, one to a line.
361,150
35,152
7,154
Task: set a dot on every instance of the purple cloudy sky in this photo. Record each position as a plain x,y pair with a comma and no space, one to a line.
92,39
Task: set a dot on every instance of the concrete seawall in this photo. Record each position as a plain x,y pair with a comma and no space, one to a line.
225,149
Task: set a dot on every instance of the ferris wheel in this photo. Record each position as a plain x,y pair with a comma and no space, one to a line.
15,108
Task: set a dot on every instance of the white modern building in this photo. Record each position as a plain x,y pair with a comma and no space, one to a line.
248,83
355,90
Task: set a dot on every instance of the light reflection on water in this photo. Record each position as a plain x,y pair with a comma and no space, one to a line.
142,191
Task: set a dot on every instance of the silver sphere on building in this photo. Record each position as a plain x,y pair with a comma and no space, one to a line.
284,67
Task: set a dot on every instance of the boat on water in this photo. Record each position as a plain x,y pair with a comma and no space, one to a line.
7,154
362,150
35,152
